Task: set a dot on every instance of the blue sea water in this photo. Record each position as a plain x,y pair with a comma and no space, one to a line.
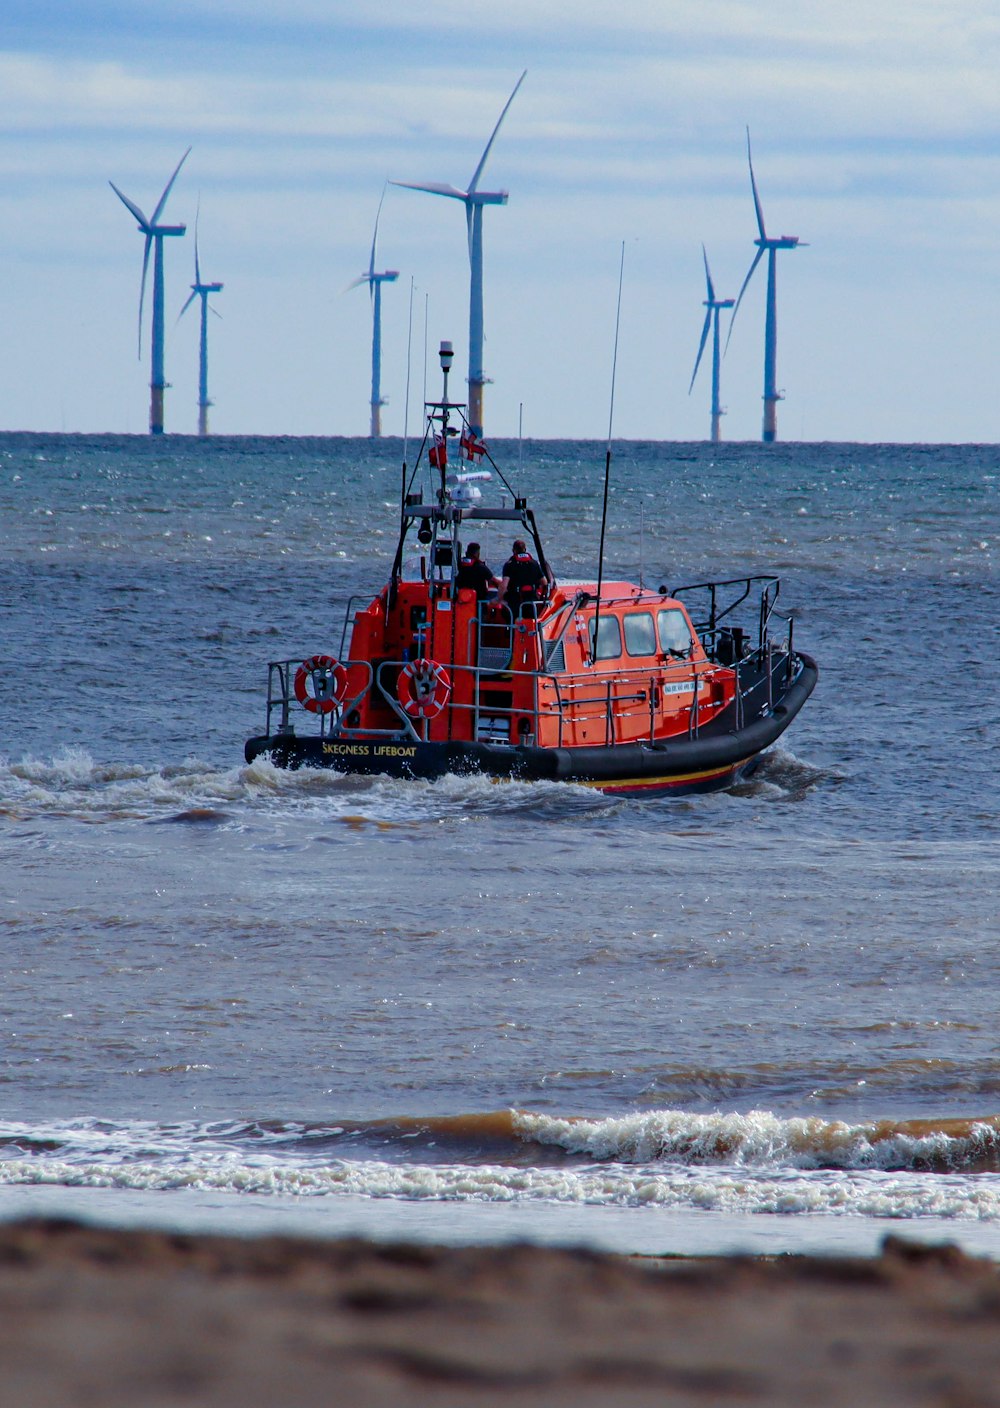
238,998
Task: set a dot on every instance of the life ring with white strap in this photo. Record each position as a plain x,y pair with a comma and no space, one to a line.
320,684
424,688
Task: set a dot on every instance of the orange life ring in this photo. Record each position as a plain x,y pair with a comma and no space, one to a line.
424,688
329,684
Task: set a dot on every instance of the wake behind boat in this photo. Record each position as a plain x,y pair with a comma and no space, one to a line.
604,683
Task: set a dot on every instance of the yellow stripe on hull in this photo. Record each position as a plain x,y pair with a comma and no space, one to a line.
645,784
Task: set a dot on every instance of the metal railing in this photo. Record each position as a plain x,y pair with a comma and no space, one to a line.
609,700
744,586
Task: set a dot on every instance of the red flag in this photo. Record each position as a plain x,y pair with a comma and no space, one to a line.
438,454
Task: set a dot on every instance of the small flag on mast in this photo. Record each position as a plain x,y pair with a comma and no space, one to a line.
472,449
438,454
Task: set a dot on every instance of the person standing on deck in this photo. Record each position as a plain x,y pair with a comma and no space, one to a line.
525,585
474,573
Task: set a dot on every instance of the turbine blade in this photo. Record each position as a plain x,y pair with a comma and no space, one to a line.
356,283
143,222
756,197
371,262
701,348
216,312
191,299
736,306
167,188
708,276
468,226
486,151
197,267
432,188
142,285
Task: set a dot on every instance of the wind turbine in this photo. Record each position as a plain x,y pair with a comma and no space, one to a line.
375,282
474,200
202,291
714,306
155,234
770,247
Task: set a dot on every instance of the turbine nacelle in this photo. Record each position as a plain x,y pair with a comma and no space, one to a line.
470,197
389,276
200,291
782,242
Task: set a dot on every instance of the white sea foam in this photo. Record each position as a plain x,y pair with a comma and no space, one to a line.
898,1196
72,782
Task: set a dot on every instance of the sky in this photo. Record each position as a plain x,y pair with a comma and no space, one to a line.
876,140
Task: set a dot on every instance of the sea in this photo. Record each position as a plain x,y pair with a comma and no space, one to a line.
239,999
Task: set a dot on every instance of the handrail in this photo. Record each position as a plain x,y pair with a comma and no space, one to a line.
348,614
551,645
710,626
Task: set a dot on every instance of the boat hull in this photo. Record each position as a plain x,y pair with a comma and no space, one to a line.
683,765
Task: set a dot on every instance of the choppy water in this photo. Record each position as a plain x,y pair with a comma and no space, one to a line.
233,993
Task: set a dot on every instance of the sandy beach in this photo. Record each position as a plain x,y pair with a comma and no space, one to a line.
96,1316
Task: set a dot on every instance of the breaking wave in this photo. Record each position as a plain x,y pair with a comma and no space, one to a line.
760,1139
754,1163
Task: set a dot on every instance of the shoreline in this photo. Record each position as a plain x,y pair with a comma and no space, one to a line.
97,1314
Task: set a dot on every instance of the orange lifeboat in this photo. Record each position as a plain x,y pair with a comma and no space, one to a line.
603,683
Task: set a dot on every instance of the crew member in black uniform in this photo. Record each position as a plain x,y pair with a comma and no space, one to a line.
473,572
525,585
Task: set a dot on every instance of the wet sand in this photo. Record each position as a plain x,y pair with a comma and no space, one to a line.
92,1316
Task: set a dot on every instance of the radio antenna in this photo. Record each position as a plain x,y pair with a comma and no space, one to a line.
642,524
607,458
409,358
406,406
426,303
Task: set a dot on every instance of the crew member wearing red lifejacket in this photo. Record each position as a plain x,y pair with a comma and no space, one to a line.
474,573
525,585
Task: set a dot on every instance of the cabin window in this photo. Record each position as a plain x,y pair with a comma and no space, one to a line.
640,638
609,638
675,633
